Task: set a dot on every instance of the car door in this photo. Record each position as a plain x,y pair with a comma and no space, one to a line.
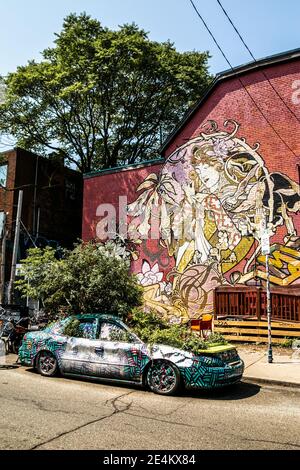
117,354
77,357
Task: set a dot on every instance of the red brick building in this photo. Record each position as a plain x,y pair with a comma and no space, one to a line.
230,171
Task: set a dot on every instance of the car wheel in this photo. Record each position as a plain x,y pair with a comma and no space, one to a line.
47,364
163,378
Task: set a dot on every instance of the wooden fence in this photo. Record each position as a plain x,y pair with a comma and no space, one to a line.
257,331
240,313
245,302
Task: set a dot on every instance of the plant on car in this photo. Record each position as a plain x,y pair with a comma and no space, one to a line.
152,329
73,328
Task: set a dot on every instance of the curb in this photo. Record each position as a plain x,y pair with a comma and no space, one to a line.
280,383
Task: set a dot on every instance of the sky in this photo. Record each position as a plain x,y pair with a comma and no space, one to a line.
268,26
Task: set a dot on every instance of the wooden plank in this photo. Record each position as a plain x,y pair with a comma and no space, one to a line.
232,323
255,339
257,331
257,323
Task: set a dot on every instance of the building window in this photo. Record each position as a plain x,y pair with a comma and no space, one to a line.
3,175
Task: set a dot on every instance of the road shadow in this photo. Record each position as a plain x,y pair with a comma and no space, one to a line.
9,366
239,391
91,380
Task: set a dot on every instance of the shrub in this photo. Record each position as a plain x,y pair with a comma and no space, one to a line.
151,329
91,278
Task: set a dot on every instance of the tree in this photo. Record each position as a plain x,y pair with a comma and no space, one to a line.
101,98
90,278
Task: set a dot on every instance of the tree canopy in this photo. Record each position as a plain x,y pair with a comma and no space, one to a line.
89,278
101,98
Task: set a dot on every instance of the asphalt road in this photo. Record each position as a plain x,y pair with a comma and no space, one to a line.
59,413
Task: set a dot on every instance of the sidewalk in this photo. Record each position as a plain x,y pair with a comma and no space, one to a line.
284,370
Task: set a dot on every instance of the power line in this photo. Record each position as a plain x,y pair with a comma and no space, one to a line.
28,234
254,59
211,34
240,81
236,30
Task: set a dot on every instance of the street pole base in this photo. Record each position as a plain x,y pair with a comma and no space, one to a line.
270,356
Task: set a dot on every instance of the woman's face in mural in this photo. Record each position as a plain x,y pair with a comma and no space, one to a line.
208,175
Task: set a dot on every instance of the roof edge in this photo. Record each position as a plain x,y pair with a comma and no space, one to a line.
119,169
227,74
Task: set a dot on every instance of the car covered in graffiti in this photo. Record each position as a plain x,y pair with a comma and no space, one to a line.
107,349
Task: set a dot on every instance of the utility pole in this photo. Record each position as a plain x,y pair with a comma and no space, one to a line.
270,352
265,250
15,249
3,253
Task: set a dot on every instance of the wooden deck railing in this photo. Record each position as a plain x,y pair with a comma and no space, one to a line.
251,302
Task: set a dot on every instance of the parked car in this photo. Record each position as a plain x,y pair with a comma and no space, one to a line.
109,350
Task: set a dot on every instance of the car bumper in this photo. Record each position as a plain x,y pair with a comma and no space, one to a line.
25,357
213,377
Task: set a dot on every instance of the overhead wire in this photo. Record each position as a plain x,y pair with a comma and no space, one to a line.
240,81
255,60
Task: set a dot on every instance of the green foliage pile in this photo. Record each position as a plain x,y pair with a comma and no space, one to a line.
88,279
152,329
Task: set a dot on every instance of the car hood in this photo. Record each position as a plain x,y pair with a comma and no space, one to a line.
184,358
175,355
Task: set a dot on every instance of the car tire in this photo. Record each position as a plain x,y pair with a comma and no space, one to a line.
46,364
163,377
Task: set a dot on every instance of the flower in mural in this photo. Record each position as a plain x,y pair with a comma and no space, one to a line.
117,248
149,276
223,240
221,148
166,288
175,320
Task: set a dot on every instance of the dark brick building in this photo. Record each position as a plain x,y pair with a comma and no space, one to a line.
52,200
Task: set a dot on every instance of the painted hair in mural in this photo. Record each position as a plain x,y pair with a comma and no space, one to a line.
210,202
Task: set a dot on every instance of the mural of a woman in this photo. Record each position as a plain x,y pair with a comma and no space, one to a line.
213,193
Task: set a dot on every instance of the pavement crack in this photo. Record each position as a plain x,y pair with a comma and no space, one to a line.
183,405
271,442
116,410
137,407
114,402
162,420
37,404
254,362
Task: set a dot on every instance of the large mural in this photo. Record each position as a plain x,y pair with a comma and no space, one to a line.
207,208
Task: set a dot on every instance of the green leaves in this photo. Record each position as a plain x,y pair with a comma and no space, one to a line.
101,97
152,329
88,279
